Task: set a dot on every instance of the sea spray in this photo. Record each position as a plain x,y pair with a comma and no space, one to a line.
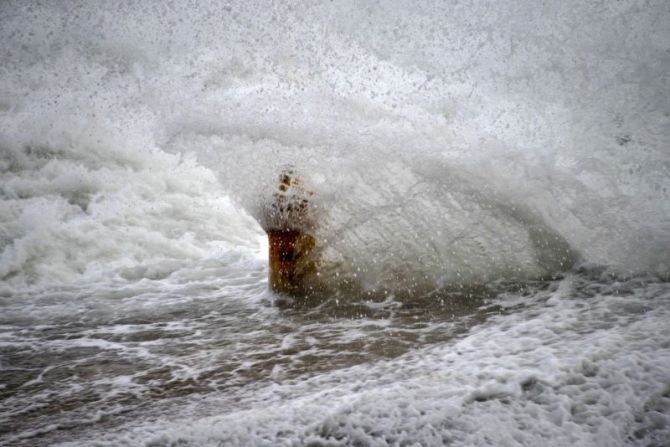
443,138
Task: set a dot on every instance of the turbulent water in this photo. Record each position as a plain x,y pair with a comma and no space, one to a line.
491,191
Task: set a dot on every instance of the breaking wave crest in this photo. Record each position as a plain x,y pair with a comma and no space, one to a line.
444,143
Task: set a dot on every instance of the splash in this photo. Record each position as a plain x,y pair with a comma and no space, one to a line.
448,143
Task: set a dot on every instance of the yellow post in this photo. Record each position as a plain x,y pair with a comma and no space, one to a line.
287,222
290,262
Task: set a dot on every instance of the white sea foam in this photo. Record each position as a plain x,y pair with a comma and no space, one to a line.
568,370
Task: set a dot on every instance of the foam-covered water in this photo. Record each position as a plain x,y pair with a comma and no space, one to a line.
466,160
